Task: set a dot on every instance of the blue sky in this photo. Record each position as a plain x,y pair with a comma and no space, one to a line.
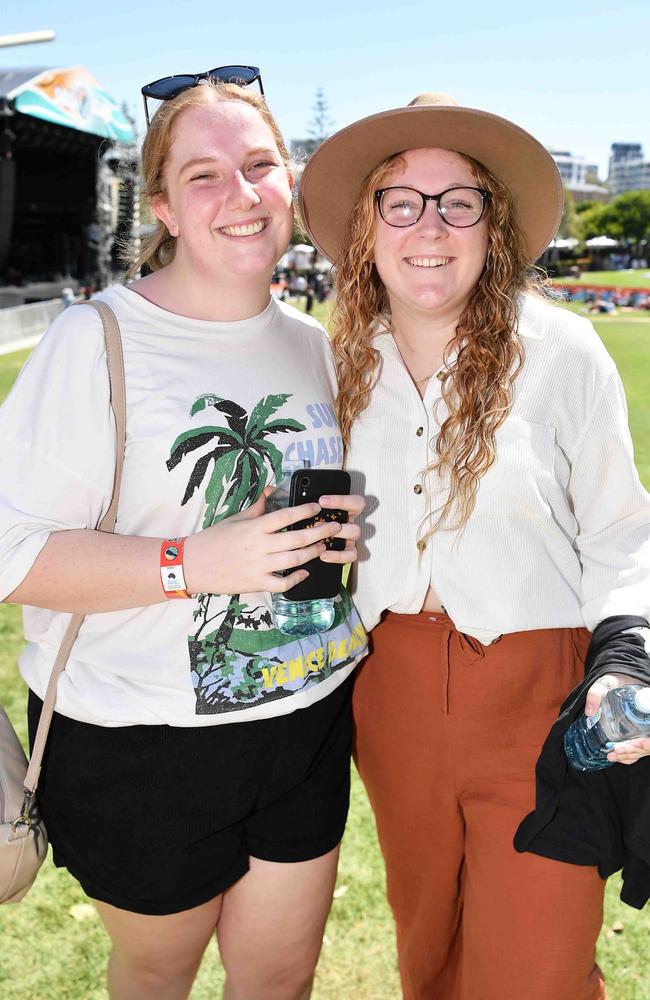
576,78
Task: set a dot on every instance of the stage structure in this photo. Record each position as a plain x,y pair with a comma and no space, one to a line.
68,178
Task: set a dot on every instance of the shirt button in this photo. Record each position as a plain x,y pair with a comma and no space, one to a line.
441,376
420,431
417,488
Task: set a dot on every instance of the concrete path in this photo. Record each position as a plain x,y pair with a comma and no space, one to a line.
19,345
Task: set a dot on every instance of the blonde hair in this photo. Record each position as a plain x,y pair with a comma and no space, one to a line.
477,386
159,248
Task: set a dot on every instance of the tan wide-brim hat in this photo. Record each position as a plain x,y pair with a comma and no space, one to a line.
333,177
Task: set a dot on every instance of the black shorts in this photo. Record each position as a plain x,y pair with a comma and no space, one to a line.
158,819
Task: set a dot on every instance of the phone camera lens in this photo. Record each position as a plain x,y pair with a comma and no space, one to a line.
304,481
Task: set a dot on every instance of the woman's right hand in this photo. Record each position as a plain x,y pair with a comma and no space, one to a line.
241,554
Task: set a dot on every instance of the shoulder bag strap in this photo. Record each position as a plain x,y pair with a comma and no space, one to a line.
115,361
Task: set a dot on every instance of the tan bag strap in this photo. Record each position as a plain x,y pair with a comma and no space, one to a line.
115,361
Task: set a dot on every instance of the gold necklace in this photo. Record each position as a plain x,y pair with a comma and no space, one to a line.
416,381
440,376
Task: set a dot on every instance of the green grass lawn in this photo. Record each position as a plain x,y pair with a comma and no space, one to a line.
610,279
53,944
10,365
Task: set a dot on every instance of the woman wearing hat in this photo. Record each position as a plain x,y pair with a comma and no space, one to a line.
508,519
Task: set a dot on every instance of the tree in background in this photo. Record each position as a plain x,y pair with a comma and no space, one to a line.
569,225
591,219
320,125
627,219
318,129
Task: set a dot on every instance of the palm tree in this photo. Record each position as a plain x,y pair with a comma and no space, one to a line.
243,461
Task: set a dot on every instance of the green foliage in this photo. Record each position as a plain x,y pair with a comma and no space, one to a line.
629,216
320,125
592,220
569,224
264,409
626,218
218,486
239,453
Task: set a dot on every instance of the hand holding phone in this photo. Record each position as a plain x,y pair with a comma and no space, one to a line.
307,485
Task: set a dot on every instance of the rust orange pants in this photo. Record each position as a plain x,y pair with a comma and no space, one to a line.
447,735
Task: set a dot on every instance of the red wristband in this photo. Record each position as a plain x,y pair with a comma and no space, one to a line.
171,568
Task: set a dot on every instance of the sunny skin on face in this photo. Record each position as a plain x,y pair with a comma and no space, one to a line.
430,269
228,199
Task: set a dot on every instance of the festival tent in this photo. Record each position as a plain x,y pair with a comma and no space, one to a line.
601,242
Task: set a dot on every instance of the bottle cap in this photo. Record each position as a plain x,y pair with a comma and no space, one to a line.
642,700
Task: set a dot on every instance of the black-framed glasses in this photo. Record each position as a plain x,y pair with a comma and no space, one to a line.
460,207
169,87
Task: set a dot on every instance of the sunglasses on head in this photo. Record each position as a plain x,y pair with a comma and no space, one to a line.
169,87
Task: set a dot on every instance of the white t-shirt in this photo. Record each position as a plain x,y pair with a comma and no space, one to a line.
212,410
560,533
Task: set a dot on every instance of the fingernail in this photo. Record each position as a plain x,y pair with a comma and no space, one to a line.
325,499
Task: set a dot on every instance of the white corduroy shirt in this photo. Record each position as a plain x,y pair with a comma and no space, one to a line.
560,534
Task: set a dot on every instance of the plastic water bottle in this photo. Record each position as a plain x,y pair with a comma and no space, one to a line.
302,617
297,617
624,713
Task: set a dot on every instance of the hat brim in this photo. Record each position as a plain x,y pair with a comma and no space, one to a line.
333,177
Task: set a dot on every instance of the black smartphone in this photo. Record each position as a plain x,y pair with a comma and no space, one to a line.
307,485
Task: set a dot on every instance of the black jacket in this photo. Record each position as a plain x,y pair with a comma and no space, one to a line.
601,817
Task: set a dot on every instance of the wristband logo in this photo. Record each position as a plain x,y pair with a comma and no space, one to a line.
171,553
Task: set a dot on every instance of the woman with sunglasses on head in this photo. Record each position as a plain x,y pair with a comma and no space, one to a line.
489,429
196,775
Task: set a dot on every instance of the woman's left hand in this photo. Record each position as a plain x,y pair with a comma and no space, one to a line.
627,751
354,505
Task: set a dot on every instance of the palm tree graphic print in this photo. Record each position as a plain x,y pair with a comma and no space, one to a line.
236,655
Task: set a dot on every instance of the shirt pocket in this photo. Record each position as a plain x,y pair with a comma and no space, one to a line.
521,478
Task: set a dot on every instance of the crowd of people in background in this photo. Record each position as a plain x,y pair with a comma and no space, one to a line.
291,285
608,300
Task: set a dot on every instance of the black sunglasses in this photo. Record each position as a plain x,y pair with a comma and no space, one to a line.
169,87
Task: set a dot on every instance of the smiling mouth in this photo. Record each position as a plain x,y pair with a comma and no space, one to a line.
427,261
251,229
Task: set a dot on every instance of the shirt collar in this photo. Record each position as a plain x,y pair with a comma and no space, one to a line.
382,338
530,323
